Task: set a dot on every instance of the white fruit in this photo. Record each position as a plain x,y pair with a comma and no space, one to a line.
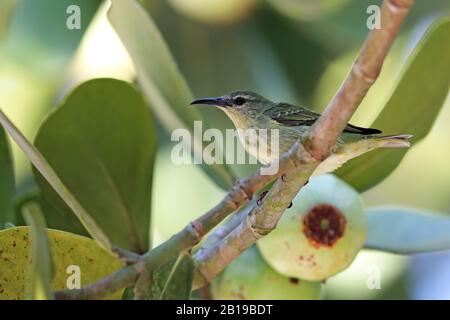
321,234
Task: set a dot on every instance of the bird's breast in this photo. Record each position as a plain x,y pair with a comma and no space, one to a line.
267,144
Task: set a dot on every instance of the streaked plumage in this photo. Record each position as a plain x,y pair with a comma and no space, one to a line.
248,110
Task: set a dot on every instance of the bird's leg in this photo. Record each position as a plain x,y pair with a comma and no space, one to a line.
261,197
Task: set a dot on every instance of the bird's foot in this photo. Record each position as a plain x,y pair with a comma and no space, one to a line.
261,197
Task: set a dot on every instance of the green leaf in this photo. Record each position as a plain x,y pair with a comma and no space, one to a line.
72,255
7,184
6,10
41,164
412,108
407,232
162,84
173,281
41,266
102,142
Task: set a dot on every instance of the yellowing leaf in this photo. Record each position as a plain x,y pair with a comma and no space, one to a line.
41,269
73,256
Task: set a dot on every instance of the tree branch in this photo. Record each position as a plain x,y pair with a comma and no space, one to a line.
363,74
315,148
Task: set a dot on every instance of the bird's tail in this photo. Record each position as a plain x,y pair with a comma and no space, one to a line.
394,141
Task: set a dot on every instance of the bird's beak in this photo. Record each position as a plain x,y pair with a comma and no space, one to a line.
219,102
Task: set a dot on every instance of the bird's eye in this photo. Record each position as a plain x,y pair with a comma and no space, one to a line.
239,101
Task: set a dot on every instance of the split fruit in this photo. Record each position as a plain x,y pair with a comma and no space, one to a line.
249,277
308,10
321,234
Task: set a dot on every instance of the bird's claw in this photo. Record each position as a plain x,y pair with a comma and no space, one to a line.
261,197
126,256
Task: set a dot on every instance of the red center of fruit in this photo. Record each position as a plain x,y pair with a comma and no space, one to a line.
323,225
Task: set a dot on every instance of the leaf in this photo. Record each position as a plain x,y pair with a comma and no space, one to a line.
215,12
50,175
41,267
412,108
406,231
42,25
7,184
307,10
162,84
72,255
6,10
173,281
102,142
128,293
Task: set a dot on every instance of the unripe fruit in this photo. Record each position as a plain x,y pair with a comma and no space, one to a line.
321,234
249,277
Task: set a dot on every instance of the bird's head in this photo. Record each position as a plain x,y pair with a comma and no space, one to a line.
238,105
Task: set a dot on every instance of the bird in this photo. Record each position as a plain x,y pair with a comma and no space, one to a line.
249,110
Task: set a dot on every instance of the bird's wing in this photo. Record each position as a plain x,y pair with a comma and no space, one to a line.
292,115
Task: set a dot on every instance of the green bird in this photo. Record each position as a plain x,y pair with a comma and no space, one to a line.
249,110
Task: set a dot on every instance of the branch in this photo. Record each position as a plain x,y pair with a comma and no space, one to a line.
315,148
363,74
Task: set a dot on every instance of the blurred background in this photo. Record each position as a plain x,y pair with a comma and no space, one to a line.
297,51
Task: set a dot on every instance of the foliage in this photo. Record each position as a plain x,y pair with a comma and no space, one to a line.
412,108
159,77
